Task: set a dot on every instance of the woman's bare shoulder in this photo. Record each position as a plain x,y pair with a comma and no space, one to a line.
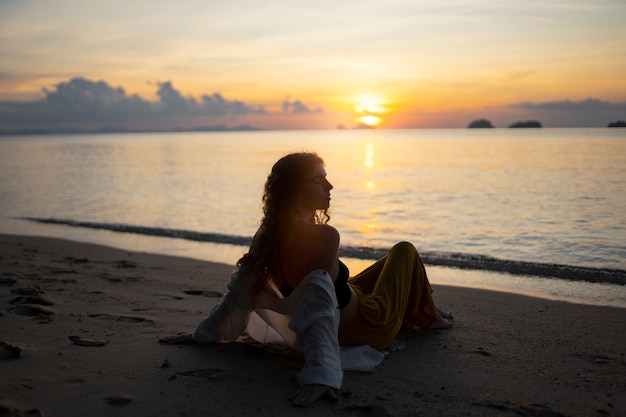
324,232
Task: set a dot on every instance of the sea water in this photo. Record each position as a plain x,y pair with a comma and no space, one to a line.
538,211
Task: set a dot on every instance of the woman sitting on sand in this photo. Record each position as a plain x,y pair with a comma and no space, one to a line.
293,240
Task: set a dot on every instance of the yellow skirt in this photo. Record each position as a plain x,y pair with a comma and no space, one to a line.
391,293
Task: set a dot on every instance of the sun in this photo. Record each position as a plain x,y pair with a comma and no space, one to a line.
370,120
370,108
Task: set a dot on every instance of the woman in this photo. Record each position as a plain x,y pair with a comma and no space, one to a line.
295,239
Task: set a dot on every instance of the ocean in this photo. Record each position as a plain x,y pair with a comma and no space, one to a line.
531,211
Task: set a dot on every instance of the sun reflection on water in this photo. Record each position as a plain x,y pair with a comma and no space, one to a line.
369,155
369,223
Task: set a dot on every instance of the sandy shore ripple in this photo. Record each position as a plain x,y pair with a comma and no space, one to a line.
79,329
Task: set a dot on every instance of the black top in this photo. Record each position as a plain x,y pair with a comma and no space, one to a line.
342,288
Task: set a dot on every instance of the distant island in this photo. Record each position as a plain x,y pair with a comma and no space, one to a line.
486,124
480,124
528,123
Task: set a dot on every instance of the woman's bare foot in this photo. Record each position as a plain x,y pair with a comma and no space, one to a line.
445,314
441,321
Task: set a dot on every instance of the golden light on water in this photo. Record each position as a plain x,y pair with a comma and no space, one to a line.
371,224
369,163
369,155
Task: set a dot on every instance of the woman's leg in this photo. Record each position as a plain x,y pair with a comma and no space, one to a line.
403,287
395,292
367,279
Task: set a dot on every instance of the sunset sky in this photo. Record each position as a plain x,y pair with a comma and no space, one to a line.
313,64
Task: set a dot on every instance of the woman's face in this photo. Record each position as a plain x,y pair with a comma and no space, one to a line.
315,191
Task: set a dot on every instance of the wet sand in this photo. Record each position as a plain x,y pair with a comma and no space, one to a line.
80,326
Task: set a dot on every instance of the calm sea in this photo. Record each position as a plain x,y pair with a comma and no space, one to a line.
522,210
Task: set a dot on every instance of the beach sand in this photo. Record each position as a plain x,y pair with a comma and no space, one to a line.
506,354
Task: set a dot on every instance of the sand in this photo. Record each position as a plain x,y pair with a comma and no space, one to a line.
86,320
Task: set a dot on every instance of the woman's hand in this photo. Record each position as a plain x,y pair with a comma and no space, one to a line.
308,394
179,339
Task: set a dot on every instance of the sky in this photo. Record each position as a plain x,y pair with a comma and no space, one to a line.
310,64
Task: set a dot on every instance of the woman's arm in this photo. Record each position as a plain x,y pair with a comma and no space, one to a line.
315,320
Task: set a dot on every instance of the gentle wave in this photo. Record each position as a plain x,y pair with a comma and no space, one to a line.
456,260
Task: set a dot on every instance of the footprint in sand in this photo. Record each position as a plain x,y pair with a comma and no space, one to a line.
126,280
204,293
72,260
6,410
55,270
31,299
123,319
7,280
125,264
32,311
169,297
533,410
58,281
216,374
8,351
79,341
599,359
209,373
118,400
28,291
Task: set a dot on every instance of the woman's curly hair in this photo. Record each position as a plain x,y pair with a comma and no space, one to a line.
281,200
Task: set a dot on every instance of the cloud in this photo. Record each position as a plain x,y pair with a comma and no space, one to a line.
568,105
172,100
298,107
93,104
211,105
216,105
567,113
91,100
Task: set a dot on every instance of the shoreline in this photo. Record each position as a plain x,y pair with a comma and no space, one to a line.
507,354
468,261
580,292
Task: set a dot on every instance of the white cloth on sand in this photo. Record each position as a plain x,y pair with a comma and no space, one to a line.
307,320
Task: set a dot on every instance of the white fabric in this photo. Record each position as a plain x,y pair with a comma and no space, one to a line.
307,320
